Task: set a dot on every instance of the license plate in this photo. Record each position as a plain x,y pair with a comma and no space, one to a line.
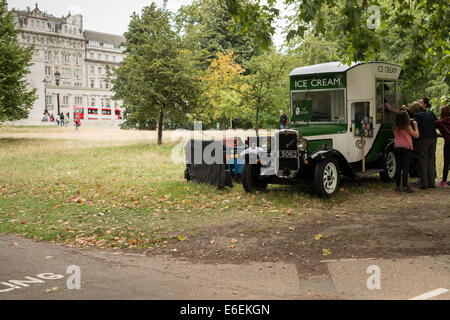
288,154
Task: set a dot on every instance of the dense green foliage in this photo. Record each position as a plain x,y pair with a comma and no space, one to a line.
15,98
355,23
204,63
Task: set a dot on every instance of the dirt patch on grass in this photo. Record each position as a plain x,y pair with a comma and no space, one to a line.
413,230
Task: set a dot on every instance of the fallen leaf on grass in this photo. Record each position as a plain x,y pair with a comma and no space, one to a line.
291,228
181,238
317,237
212,242
235,292
233,241
326,252
48,257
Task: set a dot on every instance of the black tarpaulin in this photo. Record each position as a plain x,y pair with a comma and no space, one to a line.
206,163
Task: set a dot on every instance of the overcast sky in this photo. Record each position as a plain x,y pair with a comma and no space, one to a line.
110,16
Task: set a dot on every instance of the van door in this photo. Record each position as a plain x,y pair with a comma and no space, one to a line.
361,111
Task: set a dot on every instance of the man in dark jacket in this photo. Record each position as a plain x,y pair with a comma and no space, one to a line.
426,147
283,119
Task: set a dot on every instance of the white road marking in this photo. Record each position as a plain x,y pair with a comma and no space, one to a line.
430,294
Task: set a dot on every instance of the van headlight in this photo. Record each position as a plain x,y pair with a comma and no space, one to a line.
302,144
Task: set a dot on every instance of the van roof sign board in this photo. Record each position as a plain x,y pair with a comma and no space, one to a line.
318,81
333,75
329,67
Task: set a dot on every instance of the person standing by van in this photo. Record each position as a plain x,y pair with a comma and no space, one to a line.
426,145
283,119
404,131
444,127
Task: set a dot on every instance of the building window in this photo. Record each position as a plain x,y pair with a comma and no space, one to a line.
114,58
92,101
106,84
99,56
92,55
48,71
92,69
79,101
66,100
92,83
99,70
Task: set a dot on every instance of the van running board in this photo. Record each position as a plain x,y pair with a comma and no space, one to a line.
368,172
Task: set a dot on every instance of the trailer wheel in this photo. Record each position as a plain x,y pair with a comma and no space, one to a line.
326,177
250,178
391,167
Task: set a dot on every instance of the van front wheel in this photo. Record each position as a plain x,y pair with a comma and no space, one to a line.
326,177
250,178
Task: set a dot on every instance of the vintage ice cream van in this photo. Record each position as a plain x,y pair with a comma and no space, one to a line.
341,124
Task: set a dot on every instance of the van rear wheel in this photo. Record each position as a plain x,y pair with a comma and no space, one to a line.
390,167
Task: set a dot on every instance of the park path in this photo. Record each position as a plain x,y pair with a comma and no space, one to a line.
112,274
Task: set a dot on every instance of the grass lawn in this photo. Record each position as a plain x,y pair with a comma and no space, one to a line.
131,195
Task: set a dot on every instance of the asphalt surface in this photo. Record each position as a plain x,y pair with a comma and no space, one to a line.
41,270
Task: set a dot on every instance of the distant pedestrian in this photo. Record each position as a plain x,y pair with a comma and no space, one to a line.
444,127
52,118
404,131
77,123
57,119
68,118
283,119
426,145
61,119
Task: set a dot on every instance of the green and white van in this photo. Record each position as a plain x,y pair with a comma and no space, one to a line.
341,124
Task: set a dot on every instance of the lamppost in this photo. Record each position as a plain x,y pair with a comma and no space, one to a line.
57,77
45,95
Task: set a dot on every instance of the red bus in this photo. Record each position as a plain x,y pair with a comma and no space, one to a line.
94,113
78,111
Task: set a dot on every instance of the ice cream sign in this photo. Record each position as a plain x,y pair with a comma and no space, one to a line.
318,81
387,70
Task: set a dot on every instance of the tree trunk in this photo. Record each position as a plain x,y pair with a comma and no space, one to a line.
257,120
160,127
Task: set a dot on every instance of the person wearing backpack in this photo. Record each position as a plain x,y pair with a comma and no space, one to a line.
444,127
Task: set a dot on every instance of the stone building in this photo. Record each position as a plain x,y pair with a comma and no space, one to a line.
80,56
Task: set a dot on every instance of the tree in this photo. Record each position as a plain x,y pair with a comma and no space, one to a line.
221,85
353,24
15,98
158,79
267,86
208,26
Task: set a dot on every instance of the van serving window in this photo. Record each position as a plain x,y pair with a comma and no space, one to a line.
319,106
388,98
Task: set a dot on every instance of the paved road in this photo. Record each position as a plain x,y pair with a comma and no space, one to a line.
39,270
